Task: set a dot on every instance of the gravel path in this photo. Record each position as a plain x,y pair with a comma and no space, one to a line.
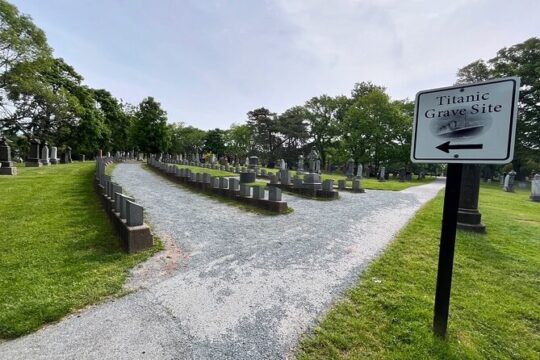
248,286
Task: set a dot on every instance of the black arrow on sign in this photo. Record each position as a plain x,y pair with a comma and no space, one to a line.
446,147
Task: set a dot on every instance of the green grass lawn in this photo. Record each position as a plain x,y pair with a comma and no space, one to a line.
212,172
494,307
58,251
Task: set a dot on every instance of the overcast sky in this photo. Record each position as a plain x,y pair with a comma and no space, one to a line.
210,62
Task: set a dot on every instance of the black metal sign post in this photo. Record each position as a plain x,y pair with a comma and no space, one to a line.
446,252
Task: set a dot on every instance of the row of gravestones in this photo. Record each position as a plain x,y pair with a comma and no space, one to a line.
39,154
224,185
126,215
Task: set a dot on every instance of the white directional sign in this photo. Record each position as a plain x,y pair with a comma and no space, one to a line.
473,123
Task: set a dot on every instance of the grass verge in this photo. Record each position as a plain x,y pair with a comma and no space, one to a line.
58,251
494,312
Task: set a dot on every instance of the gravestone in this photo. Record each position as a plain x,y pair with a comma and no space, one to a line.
134,214
274,194
298,183
350,169
247,177
342,184
54,155
245,190
258,192
509,181
382,175
223,183
234,184
214,182
312,181
401,175
45,155
273,179
83,158
282,164
33,159
357,186
253,162
6,165
285,176
314,162
359,171
328,185
206,178
535,188
300,168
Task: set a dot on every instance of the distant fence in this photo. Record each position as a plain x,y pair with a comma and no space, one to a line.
126,215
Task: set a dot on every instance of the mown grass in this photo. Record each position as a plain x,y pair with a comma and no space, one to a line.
58,251
494,310
212,172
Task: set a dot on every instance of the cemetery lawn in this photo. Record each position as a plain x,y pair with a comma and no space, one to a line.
58,251
494,311
212,172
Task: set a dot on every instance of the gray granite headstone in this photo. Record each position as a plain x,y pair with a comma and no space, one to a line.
234,184
223,183
258,192
245,190
274,194
535,188
328,185
342,184
134,214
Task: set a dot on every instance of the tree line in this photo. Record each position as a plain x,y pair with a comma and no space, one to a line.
44,97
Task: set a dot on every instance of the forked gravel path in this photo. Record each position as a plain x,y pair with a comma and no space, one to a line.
247,285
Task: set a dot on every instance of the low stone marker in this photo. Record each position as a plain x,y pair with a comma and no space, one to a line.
328,185
134,214
342,184
357,186
258,192
234,184
214,182
274,194
298,183
223,183
245,190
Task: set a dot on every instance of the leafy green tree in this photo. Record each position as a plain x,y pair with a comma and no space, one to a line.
238,141
521,60
24,54
265,128
377,130
150,131
214,142
116,120
292,125
324,115
186,139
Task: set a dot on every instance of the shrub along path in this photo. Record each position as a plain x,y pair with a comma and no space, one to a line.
58,251
249,285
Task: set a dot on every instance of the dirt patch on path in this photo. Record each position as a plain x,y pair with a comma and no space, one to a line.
159,267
